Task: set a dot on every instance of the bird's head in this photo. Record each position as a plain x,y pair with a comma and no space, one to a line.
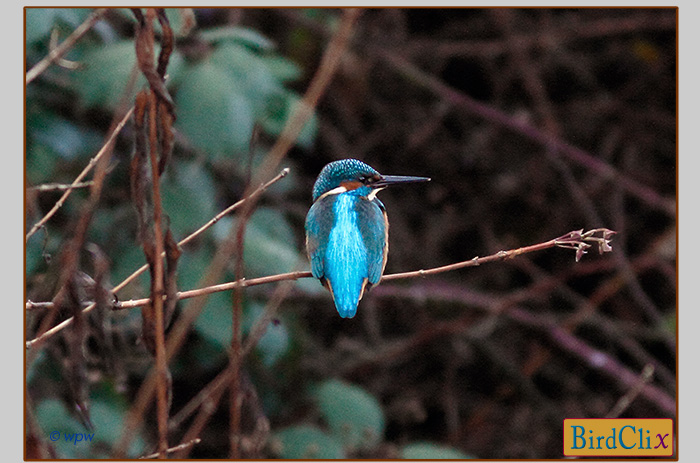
355,177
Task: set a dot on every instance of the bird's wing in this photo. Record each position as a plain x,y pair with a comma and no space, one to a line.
375,232
318,228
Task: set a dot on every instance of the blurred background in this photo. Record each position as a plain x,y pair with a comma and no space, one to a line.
530,122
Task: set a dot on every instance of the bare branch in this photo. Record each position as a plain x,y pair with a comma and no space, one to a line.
30,305
59,186
58,52
577,240
177,448
106,148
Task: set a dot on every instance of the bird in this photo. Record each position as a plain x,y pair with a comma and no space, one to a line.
347,230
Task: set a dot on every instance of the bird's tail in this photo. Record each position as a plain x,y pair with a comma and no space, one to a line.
347,296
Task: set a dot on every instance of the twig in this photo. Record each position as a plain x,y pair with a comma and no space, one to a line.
106,148
303,111
177,448
442,48
154,247
498,117
59,186
210,396
625,401
261,189
47,305
609,366
62,49
328,66
235,360
296,122
158,289
209,392
70,253
64,63
577,240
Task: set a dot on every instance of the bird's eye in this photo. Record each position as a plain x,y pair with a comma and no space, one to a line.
368,179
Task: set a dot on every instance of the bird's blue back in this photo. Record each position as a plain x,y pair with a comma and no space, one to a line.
347,244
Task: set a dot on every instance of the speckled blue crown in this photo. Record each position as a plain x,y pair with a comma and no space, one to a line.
339,171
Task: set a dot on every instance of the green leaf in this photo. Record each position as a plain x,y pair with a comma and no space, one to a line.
269,247
105,73
280,109
274,343
40,21
214,112
34,255
430,451
214,323
282,68
107,70
175,19
241,35
66,139
107,414
352,414
250,73
127,261
189,197
307,443
41,163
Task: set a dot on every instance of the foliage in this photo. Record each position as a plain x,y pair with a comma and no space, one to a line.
530,122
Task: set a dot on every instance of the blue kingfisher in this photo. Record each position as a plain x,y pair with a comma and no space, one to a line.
347,230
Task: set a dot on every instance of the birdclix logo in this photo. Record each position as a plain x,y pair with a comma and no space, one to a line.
618,437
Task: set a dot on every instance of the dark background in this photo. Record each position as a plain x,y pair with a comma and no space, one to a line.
530,122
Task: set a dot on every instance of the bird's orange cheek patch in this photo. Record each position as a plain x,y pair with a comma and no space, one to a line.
351,185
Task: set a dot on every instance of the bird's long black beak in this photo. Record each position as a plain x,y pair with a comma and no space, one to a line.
387,180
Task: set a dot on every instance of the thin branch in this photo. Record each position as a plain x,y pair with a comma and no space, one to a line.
47,305
64,63
222,379
494,115
106,148
598,361
158,289
177,448
211,396
59,186
625,401
303,111
327,68
154,246
58,52
556,38
261,189
405,67
577,240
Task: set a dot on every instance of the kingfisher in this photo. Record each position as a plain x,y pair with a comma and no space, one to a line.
347,230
